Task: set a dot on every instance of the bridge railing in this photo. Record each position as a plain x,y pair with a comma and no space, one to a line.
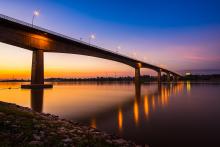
60,35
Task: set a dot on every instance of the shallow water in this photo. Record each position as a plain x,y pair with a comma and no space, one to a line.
180,114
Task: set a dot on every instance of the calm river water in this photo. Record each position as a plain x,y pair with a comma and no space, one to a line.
180,114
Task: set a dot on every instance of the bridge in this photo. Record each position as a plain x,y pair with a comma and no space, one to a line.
39,40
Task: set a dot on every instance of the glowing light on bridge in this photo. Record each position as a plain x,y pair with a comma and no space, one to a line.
139,65
36,13
39,41
134,54
118,48
91,37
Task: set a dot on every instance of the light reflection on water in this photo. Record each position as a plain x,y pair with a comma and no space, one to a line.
153,114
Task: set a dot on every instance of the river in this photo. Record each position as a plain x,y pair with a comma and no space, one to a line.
177,114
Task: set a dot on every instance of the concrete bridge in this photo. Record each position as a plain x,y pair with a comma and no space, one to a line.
40,40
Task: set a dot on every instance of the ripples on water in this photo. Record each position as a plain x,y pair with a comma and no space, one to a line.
178,114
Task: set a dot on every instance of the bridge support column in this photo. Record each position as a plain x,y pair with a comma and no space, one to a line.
168,77
137,76
175,78
178,78
37,71
159,77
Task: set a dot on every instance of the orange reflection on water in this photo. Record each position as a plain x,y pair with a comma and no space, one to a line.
146,106
179,87
67,99
11,93
153,101
120,119
136,112
162,96
93,123
165,95
76,97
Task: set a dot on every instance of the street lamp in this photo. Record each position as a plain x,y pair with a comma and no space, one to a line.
91,37
118,48
36,13
135,55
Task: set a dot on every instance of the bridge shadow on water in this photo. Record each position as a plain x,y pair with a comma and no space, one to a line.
37,96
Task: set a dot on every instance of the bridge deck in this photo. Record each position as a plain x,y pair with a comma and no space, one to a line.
22,34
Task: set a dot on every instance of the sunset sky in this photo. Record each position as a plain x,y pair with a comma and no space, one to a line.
183,35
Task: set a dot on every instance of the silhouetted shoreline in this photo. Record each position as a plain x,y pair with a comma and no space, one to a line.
123,79
144,78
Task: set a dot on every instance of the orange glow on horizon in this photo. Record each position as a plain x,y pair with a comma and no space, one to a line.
15,74
26,74
16,63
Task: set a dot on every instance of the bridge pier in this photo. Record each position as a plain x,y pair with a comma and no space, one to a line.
37,71
178,78
168,77
159,76
175,78
137,76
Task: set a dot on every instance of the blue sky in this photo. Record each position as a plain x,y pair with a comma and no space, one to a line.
151,14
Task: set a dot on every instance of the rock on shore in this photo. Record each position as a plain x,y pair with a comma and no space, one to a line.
20,126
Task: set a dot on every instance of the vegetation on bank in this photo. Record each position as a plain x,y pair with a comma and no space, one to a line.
21,126
144,78
214,77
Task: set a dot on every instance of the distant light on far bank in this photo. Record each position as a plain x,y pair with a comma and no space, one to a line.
188,74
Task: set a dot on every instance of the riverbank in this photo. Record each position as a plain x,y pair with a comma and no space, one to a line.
20,126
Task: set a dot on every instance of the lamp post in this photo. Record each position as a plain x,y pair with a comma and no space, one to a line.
91,37
36,13
118,48
135,55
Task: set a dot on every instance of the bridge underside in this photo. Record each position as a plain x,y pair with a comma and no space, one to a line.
37,72
40,41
